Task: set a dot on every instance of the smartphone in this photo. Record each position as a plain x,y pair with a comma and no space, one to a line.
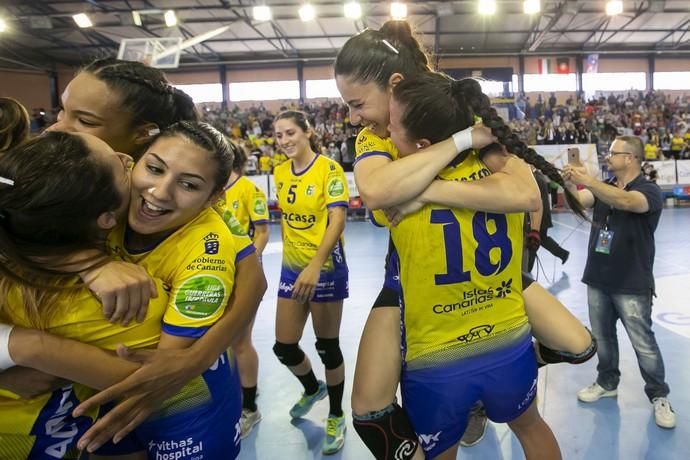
574,156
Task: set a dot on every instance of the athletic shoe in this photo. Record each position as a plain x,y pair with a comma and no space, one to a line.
306,402
247,421
335,435
663,413
595,392
476,427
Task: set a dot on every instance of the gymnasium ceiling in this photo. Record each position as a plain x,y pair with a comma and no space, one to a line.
41,33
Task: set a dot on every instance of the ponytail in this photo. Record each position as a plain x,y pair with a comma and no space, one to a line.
436,106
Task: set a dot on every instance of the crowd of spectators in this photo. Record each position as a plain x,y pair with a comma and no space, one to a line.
253,128
662,121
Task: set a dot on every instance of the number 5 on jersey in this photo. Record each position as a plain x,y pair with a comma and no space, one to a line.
291,195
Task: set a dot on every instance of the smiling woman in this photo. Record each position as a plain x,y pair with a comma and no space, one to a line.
313,198
125,103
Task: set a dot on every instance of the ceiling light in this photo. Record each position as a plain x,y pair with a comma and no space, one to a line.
136,17
398,10
82,20
353,10
262,13
531,6
487,7
307,12
170,18
614,7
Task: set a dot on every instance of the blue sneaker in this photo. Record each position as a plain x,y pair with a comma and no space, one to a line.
335,435
306,402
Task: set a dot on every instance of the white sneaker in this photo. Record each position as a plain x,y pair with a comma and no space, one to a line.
247,421
595,392
663,413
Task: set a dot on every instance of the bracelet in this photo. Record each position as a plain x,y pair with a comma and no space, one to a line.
5,358
463,140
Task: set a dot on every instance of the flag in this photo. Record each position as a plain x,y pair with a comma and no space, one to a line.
563,65
544,66
592,65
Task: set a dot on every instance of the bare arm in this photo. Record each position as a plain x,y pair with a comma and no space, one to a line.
165,371
68,359
260,238
631,201
512,188
377,176
383,183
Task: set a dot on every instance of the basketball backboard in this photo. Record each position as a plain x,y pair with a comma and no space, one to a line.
163,53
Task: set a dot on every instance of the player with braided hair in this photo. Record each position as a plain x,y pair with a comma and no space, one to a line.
125,103
364,84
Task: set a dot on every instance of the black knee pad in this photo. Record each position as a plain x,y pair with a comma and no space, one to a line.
290,354
387,433
551,356
329,352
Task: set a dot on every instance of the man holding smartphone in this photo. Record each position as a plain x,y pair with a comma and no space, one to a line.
619,271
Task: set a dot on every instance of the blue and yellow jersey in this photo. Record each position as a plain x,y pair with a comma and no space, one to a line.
304,199
197,265
460,272
37,427
246,202
369,143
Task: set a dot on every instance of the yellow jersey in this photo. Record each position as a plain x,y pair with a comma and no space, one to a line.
197,264
265,163
304,198
41,426
246,202
369,143
460,272
650,152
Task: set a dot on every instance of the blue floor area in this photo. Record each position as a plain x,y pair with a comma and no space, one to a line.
613,428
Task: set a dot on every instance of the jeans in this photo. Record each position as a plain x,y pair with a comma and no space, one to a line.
635,312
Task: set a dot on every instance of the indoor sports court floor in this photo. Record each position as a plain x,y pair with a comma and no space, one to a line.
610,429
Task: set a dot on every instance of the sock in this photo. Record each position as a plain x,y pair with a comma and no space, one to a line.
335,397
311,386
249,399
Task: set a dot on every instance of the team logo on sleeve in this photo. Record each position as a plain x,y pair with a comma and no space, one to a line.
200,297
335,187
233,224
259,207
211,243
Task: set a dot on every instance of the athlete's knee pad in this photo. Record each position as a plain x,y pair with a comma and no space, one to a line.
290,354
551,356
387,433
329,352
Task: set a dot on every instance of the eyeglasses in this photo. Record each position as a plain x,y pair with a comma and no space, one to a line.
613,153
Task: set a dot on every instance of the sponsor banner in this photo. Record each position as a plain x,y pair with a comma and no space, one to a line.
666,171
683,172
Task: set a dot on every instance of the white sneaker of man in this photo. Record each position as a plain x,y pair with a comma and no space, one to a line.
595,392
663,413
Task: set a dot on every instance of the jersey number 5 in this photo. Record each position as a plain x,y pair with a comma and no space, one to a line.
291,195
485,243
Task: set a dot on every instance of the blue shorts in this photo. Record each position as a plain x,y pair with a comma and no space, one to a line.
208,429
330,288
438,400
